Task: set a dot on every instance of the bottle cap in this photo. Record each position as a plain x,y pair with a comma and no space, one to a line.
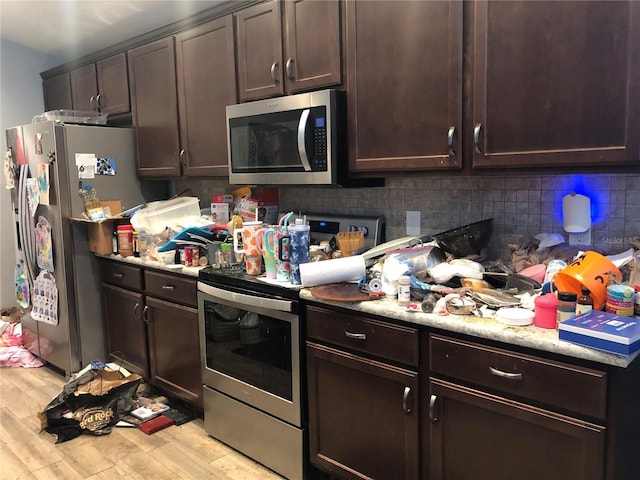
567,296
226,246
87,186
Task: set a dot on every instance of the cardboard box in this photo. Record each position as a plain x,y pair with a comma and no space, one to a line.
220,213
100,234
603,331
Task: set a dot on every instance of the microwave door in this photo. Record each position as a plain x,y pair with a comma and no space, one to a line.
302,139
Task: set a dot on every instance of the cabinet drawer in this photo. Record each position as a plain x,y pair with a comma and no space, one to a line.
573,388
121,275
171,287
373,337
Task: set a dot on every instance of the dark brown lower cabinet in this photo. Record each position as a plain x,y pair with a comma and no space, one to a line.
152,327
174,352
125,330
363,419
478,435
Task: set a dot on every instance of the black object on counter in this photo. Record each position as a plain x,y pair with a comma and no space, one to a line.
466,240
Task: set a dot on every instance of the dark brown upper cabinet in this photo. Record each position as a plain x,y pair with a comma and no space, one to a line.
57,92
152,79
555,83
277,55
205,62
102,86
404,85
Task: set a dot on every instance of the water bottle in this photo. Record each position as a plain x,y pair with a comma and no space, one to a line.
91,203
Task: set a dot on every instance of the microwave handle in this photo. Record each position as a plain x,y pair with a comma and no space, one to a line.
302,134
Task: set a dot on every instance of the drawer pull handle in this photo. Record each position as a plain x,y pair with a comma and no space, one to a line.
171,288
405,400
507,375
356,336
432,409
118,275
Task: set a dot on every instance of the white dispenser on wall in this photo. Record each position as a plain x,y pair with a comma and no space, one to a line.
576,218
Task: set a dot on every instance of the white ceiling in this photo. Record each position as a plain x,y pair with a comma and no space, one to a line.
72,28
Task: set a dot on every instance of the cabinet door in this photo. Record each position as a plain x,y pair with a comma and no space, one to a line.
174,348
152,79
205,60
313,53
404,64
363,421
113,85
556,83
57,92
259,40
122,311
84,88
478,435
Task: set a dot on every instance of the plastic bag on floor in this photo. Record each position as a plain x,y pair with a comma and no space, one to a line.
92,401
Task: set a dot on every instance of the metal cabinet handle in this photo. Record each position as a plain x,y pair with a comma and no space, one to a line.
450,138
476,138
145,315
432,409
118,275
289,69
405,400
274,72
171,288
91,100
356,336
182,162
507,375
136,311
99,101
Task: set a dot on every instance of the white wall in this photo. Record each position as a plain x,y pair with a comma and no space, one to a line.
20,99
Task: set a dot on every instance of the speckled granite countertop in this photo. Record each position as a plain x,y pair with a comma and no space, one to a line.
530,336
189,271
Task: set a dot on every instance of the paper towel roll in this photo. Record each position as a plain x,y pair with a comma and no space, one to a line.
346,269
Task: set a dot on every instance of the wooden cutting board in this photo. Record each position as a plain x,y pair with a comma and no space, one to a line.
339,292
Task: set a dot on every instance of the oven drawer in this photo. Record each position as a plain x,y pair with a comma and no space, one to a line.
570,387
121,275
384,340
171,287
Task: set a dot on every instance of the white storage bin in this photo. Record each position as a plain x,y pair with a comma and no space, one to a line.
177,212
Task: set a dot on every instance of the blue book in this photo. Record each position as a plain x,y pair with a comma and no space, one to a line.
603,331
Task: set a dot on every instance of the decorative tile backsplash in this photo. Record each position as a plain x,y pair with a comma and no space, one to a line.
519,205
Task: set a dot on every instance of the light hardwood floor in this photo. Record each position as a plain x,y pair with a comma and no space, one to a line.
184,452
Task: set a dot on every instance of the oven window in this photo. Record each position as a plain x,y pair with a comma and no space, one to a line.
250,347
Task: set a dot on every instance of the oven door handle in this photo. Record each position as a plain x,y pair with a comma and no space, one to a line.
244,300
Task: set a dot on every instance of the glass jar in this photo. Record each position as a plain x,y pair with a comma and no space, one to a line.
566,306
584,303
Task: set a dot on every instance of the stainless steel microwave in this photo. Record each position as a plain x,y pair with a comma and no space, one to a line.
291,140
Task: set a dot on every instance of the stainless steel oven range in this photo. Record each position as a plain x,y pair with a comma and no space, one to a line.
252,344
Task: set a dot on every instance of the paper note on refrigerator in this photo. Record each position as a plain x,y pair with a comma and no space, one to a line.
87,165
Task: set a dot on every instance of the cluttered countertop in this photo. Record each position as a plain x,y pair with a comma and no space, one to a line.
429,273
529,336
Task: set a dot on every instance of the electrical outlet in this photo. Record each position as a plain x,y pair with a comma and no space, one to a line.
413,223
580,238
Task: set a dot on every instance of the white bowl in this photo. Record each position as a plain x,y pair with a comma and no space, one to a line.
515,316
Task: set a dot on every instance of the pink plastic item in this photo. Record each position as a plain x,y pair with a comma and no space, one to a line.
536,272
546,311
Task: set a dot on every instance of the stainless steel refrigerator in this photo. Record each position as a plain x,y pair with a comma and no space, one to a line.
50,159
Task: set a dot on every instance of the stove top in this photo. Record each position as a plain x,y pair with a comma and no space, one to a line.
323,227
